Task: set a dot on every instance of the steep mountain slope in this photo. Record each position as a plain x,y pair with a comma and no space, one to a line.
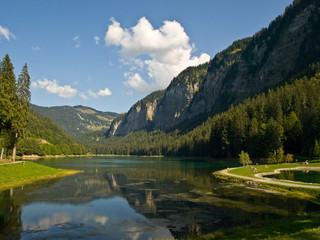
44,137
78,120
161,109
249,66
285,119
271,57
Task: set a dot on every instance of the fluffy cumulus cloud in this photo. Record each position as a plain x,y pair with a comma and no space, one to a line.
162,52
101,93
51,86
4,32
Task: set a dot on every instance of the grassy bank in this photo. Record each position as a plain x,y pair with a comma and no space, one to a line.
294,189
247,171
285,229
19,174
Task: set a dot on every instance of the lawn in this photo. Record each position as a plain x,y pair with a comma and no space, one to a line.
22,173
248,172
285,229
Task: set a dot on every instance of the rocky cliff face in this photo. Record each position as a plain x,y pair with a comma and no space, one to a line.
249,66
270,58
162,109
140,116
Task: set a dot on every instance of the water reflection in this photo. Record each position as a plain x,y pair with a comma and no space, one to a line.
301,176
130,198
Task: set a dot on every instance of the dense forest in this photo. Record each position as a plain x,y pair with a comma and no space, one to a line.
22,131
286,118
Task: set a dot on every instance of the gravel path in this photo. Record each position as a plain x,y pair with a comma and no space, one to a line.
260,179
11,163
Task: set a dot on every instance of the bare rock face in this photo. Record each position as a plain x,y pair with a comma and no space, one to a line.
249,66
162,109
140,116
268,60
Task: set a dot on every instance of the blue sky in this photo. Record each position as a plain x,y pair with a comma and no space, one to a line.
109,54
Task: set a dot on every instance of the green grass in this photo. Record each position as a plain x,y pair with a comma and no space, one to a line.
247,172
298,192
285,229
14,175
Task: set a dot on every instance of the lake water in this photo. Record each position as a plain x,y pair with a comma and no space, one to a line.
137,198
301,176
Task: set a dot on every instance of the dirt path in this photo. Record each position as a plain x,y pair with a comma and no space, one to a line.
11,163
268,180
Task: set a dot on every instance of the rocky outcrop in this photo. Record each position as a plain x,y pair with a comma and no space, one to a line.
269,59
249,66
140,116
162,109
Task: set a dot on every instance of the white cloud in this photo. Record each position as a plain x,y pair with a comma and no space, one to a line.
83,96
96,39
4,32
76,39
104,92
166,52
101,93
136,82
53,87
36,48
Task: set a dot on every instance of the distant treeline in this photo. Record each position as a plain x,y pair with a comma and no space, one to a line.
285,118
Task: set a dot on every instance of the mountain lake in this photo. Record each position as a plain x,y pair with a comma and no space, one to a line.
137,198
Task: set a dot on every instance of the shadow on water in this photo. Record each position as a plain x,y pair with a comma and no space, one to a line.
137,198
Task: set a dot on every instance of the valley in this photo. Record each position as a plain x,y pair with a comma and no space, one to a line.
169,166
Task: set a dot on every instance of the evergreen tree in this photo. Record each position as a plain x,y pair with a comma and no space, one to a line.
22,108
8,98
316,149
7,93
280,155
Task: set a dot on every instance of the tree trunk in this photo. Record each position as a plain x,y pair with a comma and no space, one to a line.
15,146
2,150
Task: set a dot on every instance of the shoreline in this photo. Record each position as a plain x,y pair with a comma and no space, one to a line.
259,179
22,173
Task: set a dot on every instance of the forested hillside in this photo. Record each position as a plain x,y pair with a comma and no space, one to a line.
285,118
78,120
44,137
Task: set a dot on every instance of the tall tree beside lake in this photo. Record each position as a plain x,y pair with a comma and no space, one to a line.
7,93
19,122
8,98
14,104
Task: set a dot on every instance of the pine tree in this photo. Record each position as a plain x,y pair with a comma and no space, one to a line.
7,93
23,100
8,99
316,149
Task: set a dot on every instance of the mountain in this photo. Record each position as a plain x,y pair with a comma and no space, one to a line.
44,137
273,56
78,120
285,119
